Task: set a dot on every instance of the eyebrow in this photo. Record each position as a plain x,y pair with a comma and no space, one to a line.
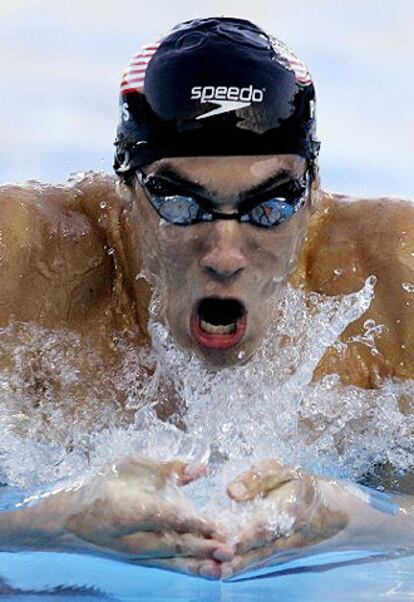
277,178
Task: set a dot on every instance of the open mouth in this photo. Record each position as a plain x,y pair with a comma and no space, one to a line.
218,323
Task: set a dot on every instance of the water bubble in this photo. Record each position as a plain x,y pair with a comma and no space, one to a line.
408,286
103,204
110,251
142,275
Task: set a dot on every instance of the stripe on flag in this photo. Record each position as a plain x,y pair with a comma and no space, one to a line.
292,62
134,76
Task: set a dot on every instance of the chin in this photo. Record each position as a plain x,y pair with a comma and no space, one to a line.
218,359
223,358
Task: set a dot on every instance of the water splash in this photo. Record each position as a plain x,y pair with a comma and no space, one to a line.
231,418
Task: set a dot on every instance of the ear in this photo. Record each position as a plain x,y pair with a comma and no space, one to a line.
125,193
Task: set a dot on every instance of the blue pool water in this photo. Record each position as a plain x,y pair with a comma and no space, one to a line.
339,577
343,577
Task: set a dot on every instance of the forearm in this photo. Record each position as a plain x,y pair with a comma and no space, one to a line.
132,510
38,523
376,520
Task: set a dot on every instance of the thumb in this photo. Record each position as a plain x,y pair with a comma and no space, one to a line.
183,472
265,477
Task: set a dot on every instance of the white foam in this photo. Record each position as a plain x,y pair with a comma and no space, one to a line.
233,417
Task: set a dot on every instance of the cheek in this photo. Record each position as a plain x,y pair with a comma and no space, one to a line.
274,254
178,249
160,242
170,250
150,257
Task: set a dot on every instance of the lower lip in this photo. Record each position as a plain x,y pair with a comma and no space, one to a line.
217,341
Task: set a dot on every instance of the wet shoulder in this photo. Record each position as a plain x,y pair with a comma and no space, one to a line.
349,241
369,221
53,253
69,209
357,237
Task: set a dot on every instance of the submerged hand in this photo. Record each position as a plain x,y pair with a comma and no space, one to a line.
291,509
135,509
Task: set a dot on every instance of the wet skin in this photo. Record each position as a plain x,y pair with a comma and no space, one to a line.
70,257
223,259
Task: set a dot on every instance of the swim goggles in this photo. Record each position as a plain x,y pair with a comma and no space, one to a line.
176,206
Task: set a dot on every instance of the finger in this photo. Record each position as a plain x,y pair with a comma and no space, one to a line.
182,472
258,556
161,545
155,473
209,569
260,480
258,535
293,508
162,516
202,526
135,467
152,515
263,540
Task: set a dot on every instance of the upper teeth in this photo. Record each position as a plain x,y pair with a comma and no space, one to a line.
217,329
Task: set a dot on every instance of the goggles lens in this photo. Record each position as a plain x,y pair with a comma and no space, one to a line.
184,210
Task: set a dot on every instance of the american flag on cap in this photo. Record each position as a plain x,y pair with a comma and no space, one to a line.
134,77
292,62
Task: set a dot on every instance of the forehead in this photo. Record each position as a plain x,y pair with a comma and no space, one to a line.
230,175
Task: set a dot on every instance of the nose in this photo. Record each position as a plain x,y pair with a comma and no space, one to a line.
223,258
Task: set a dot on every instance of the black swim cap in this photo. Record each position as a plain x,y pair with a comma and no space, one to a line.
216,86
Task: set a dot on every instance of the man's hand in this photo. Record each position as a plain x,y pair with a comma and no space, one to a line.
290,509
135,509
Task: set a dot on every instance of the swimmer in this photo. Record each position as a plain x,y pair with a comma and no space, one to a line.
217,199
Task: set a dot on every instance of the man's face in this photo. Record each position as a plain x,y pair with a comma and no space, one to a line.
221,278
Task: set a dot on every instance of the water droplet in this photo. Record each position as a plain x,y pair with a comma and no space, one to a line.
338,272
408,286
110,251
241,355
141,276
103,204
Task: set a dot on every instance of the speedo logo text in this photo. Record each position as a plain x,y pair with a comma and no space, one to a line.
232,93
